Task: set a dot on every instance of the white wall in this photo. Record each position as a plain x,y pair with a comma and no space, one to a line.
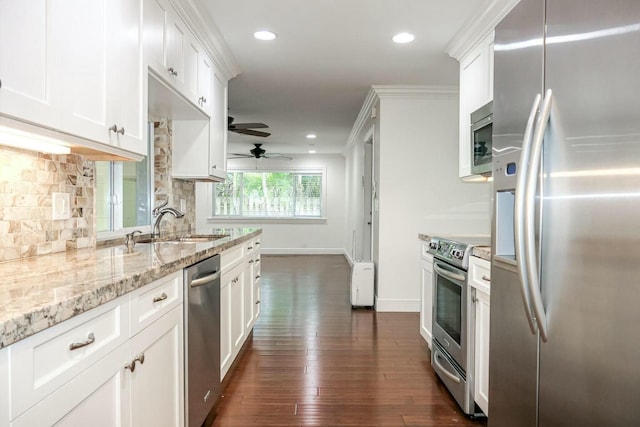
418,187
303,237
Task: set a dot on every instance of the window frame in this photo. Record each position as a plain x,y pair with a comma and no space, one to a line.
322,171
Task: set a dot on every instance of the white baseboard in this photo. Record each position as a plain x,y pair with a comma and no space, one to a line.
302,251
398,305
348,257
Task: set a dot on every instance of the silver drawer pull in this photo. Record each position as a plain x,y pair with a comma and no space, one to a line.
258,302
257,276
132,365
486,278
76,345
250,247
160,298
257,243
251,261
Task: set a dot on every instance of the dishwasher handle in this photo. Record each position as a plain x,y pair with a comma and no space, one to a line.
204,280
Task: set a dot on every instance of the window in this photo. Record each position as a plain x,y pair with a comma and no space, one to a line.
123,194
270,194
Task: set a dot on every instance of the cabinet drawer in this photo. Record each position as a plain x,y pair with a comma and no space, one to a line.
47,360
231,257
252,246
480,274
151,302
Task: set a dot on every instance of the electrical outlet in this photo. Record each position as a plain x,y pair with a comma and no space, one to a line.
61,206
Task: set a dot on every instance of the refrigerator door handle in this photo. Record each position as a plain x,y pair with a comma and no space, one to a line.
519,210
529,223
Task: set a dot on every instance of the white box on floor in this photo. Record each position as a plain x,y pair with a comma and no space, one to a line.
362,284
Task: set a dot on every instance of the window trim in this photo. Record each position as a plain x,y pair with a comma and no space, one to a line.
322,219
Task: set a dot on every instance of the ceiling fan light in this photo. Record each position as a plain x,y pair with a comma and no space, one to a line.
265,35
311,136
312,151
403,38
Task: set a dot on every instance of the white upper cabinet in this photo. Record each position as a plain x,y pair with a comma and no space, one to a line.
28,63
75,66
102,55
204,89
476,89
218,149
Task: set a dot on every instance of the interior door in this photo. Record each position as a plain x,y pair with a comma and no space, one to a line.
589,371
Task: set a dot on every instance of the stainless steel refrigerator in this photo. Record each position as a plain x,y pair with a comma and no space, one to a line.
565,293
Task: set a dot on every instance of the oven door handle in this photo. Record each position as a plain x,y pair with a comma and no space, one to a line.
448,274
445,372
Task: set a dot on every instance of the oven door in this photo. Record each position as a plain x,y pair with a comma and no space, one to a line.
450,310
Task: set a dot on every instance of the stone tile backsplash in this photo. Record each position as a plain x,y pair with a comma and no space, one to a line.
167,188
27,181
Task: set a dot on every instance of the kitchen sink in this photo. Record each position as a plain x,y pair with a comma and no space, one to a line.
188,238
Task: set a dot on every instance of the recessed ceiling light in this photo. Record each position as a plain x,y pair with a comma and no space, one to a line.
311,136
264,35
403,38
312,151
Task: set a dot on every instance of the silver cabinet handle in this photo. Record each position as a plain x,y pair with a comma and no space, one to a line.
132,365
251,261
162,297
250,247
474,299
486,278
448,274
202,100
519,213
529,215
257,243
115,129
257,276
204,280
258,302
172,71
76,345
257,260
436,357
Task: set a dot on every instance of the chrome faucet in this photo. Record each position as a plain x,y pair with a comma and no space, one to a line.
159,212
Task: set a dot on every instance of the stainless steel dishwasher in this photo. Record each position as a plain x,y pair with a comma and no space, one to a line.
202,339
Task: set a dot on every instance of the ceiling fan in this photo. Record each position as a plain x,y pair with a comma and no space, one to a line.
259,153
247,128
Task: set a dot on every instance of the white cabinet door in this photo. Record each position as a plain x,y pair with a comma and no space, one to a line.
157,382
28,62
247,295
237,309
5,391
426,297
481,385
102,72
155,17
192,52
218,144
226,349
127,72
86,45
97,397
204,89
476,89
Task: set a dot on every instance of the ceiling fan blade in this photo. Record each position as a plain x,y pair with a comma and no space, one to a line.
248,126
239,156
250,132
276,156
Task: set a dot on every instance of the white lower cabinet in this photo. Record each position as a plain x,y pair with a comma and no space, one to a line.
239,299
426,293
100,396
91,370
157,396
479,280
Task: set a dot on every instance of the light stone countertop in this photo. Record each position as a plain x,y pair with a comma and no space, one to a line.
39,292
483,252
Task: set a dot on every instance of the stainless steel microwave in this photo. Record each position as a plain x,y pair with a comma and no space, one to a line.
481,134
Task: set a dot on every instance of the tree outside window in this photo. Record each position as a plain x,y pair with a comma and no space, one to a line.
273,194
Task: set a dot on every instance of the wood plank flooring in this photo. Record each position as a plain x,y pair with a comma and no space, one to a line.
314,361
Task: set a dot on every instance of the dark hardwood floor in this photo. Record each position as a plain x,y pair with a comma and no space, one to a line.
314,361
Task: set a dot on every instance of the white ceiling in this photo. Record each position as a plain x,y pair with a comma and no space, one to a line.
315,76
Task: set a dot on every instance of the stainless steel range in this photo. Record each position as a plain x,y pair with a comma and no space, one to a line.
452,353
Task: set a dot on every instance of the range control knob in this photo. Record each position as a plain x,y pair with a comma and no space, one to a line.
456,253
433,245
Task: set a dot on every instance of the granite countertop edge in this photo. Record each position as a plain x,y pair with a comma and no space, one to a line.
39,292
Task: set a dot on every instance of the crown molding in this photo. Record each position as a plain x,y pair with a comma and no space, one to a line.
207,33
408,92
477,27
415,92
